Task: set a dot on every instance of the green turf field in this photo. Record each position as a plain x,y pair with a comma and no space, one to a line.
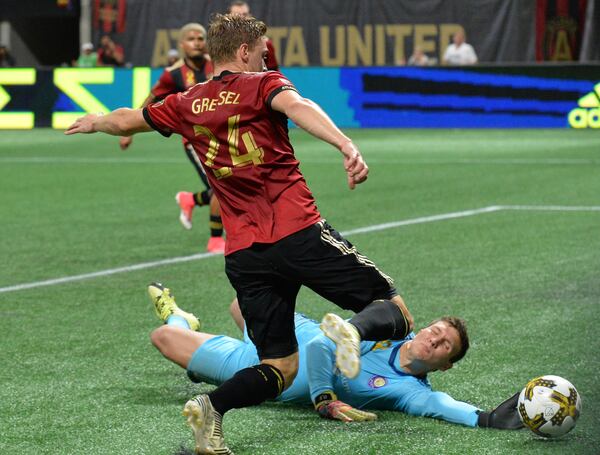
79,375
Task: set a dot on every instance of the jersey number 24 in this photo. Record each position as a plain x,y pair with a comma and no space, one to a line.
254,154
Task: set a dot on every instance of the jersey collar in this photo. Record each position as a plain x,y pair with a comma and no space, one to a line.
223,74
186,63
394,360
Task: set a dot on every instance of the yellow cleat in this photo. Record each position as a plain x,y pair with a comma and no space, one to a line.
165,306
347,341
206,425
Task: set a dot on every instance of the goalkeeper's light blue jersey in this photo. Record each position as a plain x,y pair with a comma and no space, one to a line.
381,383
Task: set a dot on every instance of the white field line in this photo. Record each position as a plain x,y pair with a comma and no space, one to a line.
366,229
86,276
466,161
551,208
424,219
308,158
74,160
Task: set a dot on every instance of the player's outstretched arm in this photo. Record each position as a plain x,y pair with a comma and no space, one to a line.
310,117
420,400
126,141
121,122
504,417
440,405
320,361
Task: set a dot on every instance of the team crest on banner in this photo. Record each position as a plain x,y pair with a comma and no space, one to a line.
109,15
559,26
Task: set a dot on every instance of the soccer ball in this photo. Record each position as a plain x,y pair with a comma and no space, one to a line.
549,406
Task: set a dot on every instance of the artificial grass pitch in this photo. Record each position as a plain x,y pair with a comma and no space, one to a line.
79,374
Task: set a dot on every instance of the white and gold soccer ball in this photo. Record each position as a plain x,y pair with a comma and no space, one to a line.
549,406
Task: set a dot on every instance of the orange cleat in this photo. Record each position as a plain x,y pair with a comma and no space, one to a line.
186,203
216,245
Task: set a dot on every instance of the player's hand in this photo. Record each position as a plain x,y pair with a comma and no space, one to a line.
84,125
125,142
504,417
356,168
329,407
338,410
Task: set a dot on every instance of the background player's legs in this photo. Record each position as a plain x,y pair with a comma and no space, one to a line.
191,154
216,243
188,201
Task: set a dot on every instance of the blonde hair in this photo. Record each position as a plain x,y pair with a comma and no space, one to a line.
227,32
191,27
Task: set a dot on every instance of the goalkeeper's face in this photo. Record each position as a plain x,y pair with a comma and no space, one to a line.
435,345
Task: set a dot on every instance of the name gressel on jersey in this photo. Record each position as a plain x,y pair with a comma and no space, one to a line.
244,146
206,104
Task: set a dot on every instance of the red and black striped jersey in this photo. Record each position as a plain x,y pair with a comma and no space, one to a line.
244,147
180,77
271,60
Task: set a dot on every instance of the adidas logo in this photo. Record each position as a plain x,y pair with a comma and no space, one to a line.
587,115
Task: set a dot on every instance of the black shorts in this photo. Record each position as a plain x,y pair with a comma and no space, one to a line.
267,278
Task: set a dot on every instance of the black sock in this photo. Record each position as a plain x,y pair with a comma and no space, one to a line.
202,198
191,154
248,387
381,320
216,226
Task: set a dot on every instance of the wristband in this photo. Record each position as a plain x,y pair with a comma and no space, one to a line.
483,420
325,397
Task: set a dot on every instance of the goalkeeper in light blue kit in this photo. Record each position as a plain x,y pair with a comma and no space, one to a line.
392,376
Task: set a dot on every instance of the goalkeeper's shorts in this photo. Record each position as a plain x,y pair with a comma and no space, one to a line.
219,358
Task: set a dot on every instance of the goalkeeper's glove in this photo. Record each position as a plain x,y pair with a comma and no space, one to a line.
329,407
504,417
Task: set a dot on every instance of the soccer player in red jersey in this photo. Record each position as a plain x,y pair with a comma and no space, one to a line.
194,67
110,53
276,238
242,8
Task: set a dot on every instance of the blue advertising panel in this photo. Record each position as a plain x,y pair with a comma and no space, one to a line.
368,97
460,98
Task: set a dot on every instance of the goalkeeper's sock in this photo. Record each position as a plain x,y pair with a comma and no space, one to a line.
248,387
381,320
178,321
